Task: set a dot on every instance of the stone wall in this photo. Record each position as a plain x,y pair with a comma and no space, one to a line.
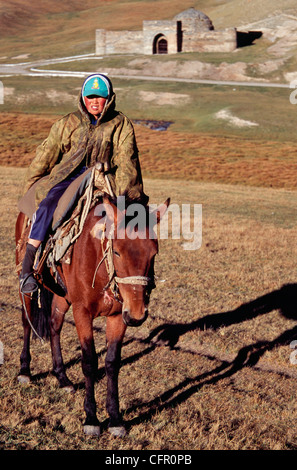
118,42
151,29
210,41
142,42
190,31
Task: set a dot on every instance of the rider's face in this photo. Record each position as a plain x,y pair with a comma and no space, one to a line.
95,105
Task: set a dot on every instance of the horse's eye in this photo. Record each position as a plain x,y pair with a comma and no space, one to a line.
116,253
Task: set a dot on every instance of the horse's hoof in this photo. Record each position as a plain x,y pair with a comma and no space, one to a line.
90,430
117,431
24,379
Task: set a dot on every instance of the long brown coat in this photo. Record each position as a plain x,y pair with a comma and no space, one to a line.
74,140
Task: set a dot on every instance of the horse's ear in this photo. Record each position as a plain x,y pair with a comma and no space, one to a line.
114,215
161,210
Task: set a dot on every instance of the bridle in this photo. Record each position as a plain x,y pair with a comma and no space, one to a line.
113,279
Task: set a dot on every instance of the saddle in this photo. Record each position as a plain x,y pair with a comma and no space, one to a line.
27,204
67,224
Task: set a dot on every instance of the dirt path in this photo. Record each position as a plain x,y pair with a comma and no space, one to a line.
32,69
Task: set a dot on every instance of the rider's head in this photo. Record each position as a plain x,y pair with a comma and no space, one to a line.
96,91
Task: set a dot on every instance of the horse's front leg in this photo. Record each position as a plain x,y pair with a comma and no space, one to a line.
115,331
25,358
84,326
59,308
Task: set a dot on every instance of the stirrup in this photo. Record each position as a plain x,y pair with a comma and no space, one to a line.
28,284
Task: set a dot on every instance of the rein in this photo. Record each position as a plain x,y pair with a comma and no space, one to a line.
113,280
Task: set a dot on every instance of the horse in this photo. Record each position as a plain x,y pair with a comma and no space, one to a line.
111,275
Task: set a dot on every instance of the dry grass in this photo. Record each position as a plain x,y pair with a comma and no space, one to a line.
210,369
52,28
203,157
219,332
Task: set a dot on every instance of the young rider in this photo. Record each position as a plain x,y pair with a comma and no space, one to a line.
96,132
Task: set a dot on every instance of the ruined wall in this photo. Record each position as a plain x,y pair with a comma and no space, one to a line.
210,41
151,29
182,35
118,42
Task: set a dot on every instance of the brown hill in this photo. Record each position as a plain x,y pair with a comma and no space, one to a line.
17,15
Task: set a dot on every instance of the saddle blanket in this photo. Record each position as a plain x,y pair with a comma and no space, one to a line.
68,220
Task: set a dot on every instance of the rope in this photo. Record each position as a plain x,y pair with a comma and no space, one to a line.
98,266
86,208
28,319
108,256
109,186
112,279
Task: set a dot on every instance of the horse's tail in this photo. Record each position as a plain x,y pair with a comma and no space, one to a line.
41,313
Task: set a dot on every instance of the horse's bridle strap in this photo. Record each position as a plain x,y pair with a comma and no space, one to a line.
113,279
140,280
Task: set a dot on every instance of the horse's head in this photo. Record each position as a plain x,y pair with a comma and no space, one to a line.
134,245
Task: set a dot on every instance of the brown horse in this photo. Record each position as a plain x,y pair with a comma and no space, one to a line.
110,275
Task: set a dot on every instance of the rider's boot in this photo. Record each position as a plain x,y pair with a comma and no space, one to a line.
28,283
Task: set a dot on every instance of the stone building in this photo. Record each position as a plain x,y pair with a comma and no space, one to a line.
189,31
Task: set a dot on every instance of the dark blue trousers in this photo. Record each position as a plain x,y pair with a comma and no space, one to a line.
42,218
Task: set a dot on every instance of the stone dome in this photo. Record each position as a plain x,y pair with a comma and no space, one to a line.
193,14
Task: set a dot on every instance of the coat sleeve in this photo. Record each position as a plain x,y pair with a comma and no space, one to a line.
128,177
47,155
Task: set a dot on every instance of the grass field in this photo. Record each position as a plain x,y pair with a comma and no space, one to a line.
190,107
221,322
175,155
213,366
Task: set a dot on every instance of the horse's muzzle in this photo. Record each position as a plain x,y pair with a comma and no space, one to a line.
131,321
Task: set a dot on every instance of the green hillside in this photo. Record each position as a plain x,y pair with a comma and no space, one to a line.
49,29
235,13
53,28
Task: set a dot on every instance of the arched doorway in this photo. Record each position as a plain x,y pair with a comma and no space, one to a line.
160,45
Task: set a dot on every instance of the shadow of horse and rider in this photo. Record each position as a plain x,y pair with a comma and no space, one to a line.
284,300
